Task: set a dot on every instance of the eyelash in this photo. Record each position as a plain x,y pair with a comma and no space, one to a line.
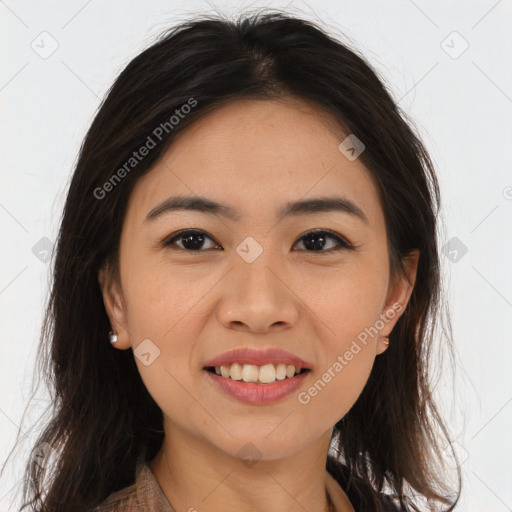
168,242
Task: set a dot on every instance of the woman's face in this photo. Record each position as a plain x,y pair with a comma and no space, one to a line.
257,279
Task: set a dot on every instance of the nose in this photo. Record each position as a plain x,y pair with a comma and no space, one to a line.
257,298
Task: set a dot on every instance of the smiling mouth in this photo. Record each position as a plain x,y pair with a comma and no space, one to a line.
249,373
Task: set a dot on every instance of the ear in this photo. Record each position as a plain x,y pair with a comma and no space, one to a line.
114,306
399,293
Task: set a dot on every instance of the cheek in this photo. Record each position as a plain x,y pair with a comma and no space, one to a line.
173,326
169,313
348,301
165,303
343,379
349,306
338,385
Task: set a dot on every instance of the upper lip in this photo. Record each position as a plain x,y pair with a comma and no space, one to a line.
258,357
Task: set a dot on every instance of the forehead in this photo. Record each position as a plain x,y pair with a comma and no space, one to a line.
256,155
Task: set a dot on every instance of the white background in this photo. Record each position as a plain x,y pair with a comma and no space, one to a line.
461,106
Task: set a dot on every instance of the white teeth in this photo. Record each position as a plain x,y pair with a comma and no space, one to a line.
266,374
280,371
236,371
250,373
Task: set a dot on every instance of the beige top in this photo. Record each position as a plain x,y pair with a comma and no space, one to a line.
144,495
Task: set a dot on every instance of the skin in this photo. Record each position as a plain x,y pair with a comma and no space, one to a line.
254,156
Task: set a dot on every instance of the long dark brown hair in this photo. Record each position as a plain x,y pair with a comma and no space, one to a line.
102,417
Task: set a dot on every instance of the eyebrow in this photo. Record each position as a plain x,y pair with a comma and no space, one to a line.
294,208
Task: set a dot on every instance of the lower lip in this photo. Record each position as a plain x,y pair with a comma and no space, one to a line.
258,394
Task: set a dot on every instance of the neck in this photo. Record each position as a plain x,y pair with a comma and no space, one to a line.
194,475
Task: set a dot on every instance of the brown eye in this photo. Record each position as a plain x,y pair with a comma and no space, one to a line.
316,241
191,240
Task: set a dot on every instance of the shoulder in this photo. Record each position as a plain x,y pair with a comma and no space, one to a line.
126,499
143,495
123,500
361,495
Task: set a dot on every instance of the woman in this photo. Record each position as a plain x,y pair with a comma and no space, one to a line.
252,224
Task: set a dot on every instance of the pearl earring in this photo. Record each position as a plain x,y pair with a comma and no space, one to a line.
385,340
113,337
